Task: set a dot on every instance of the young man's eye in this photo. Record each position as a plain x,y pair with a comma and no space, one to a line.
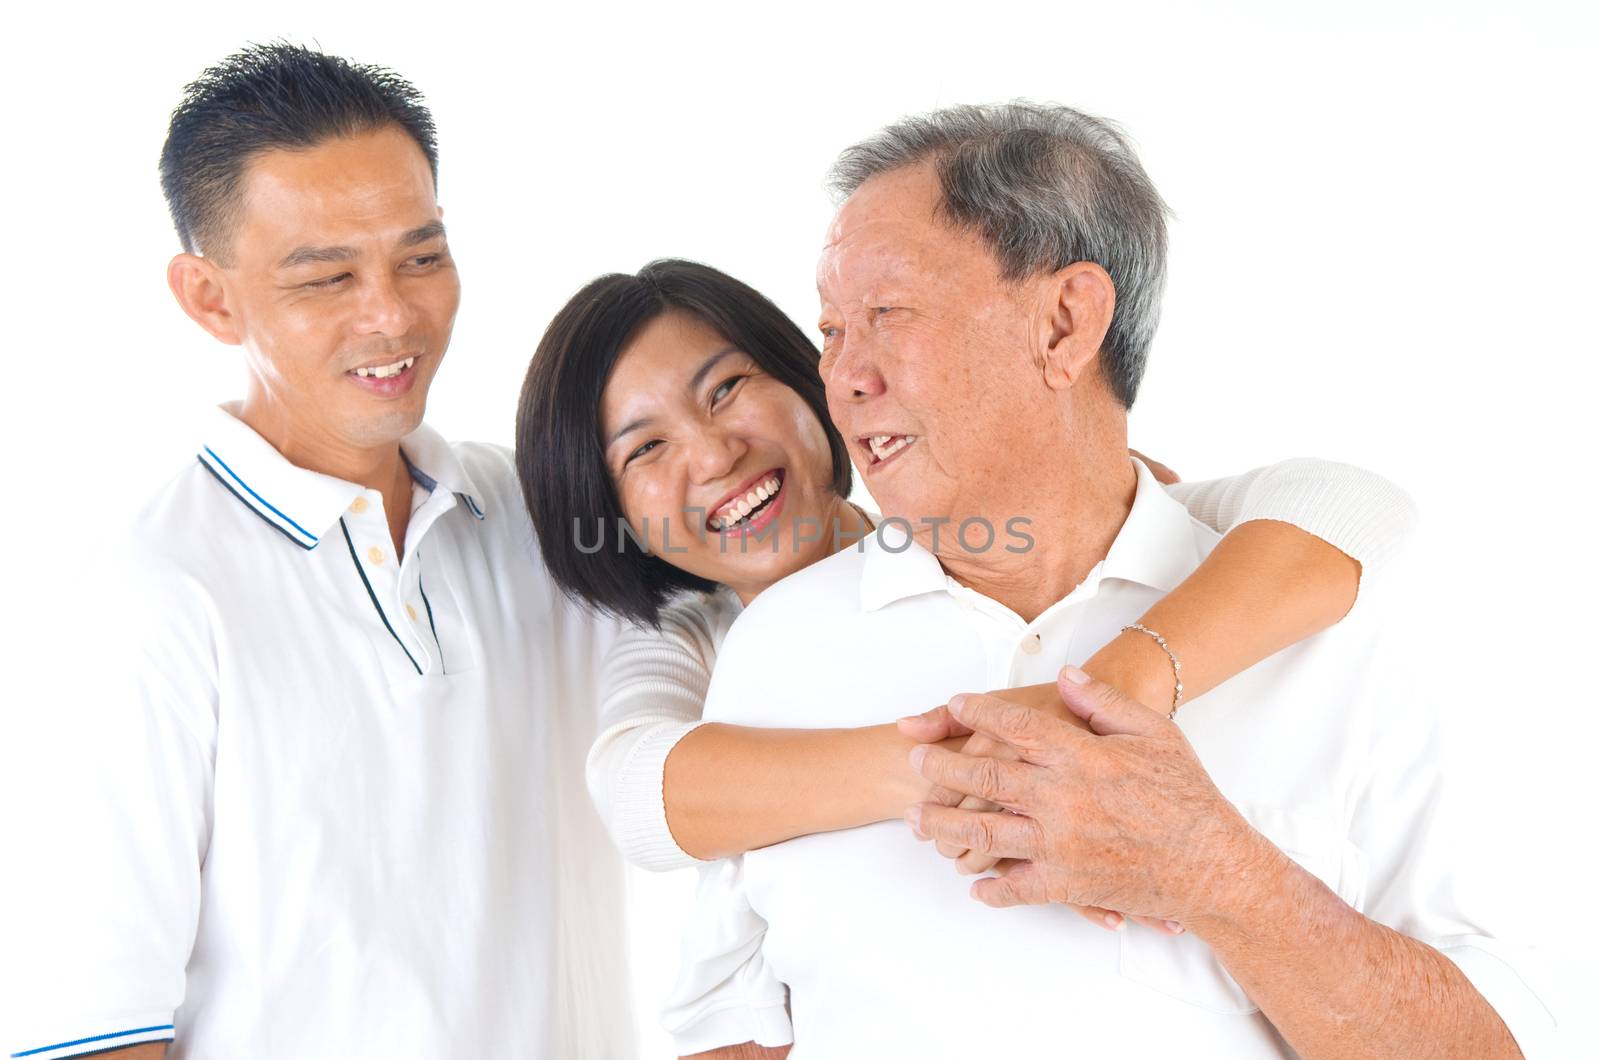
425,260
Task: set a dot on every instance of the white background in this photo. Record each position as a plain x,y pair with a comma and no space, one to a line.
1383,252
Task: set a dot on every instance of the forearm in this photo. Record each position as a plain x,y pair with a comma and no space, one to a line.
1336,984
1265,586
743,1051
730,788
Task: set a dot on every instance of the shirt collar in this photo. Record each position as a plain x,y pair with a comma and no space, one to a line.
304,505
896,567
1155,547
434,463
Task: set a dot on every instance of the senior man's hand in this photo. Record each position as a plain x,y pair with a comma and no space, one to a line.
1119,816
938,726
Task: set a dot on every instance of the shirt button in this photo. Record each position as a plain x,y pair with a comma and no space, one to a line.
358,505
375,554
411,612
1031,644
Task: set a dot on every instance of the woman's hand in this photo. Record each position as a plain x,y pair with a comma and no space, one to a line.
1164,474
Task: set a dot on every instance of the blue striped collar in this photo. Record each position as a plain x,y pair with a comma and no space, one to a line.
304,505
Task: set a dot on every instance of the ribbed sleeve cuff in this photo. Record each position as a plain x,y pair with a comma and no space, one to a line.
1363,515
1507,992
126,1032
765,1025
639,804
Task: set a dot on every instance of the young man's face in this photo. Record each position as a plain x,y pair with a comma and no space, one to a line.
342,291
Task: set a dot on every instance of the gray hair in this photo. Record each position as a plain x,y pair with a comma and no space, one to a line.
1045,186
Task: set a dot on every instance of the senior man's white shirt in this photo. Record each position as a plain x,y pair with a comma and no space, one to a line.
868,939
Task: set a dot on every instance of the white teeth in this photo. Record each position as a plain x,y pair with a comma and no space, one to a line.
883,449
386,371
740,509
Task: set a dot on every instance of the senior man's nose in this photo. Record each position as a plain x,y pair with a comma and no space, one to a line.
854,373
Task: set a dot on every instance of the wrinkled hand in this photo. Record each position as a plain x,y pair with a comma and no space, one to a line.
937,726
1122,816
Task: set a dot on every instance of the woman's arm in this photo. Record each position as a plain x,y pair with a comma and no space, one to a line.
673,790
730,788
1297,537
1266,585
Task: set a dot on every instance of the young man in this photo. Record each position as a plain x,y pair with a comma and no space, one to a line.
343,814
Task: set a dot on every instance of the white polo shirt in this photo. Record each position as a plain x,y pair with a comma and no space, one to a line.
866,941
342,812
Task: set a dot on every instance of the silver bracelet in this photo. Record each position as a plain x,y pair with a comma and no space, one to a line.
1177,667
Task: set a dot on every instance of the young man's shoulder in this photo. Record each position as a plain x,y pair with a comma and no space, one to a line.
188,520
493,471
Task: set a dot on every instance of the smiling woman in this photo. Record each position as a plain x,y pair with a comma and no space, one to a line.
706,394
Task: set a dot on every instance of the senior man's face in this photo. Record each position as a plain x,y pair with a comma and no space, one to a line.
339,285
924,352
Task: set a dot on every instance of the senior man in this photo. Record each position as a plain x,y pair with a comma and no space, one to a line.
341,813
989,291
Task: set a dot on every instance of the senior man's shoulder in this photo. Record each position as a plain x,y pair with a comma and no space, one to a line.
814,603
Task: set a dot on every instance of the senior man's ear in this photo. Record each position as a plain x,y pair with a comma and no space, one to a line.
1081,299
197,285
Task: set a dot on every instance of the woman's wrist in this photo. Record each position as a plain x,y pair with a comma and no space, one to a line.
1136,666
896,785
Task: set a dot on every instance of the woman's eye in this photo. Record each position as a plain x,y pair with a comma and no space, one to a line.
725,388
643,449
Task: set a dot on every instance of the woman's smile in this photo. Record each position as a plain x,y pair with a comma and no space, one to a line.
751,508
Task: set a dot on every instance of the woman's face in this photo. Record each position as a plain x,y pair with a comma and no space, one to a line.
722,470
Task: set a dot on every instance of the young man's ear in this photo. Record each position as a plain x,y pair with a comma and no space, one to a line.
1076,322
197,285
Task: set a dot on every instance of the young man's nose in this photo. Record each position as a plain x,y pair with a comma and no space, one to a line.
385,309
